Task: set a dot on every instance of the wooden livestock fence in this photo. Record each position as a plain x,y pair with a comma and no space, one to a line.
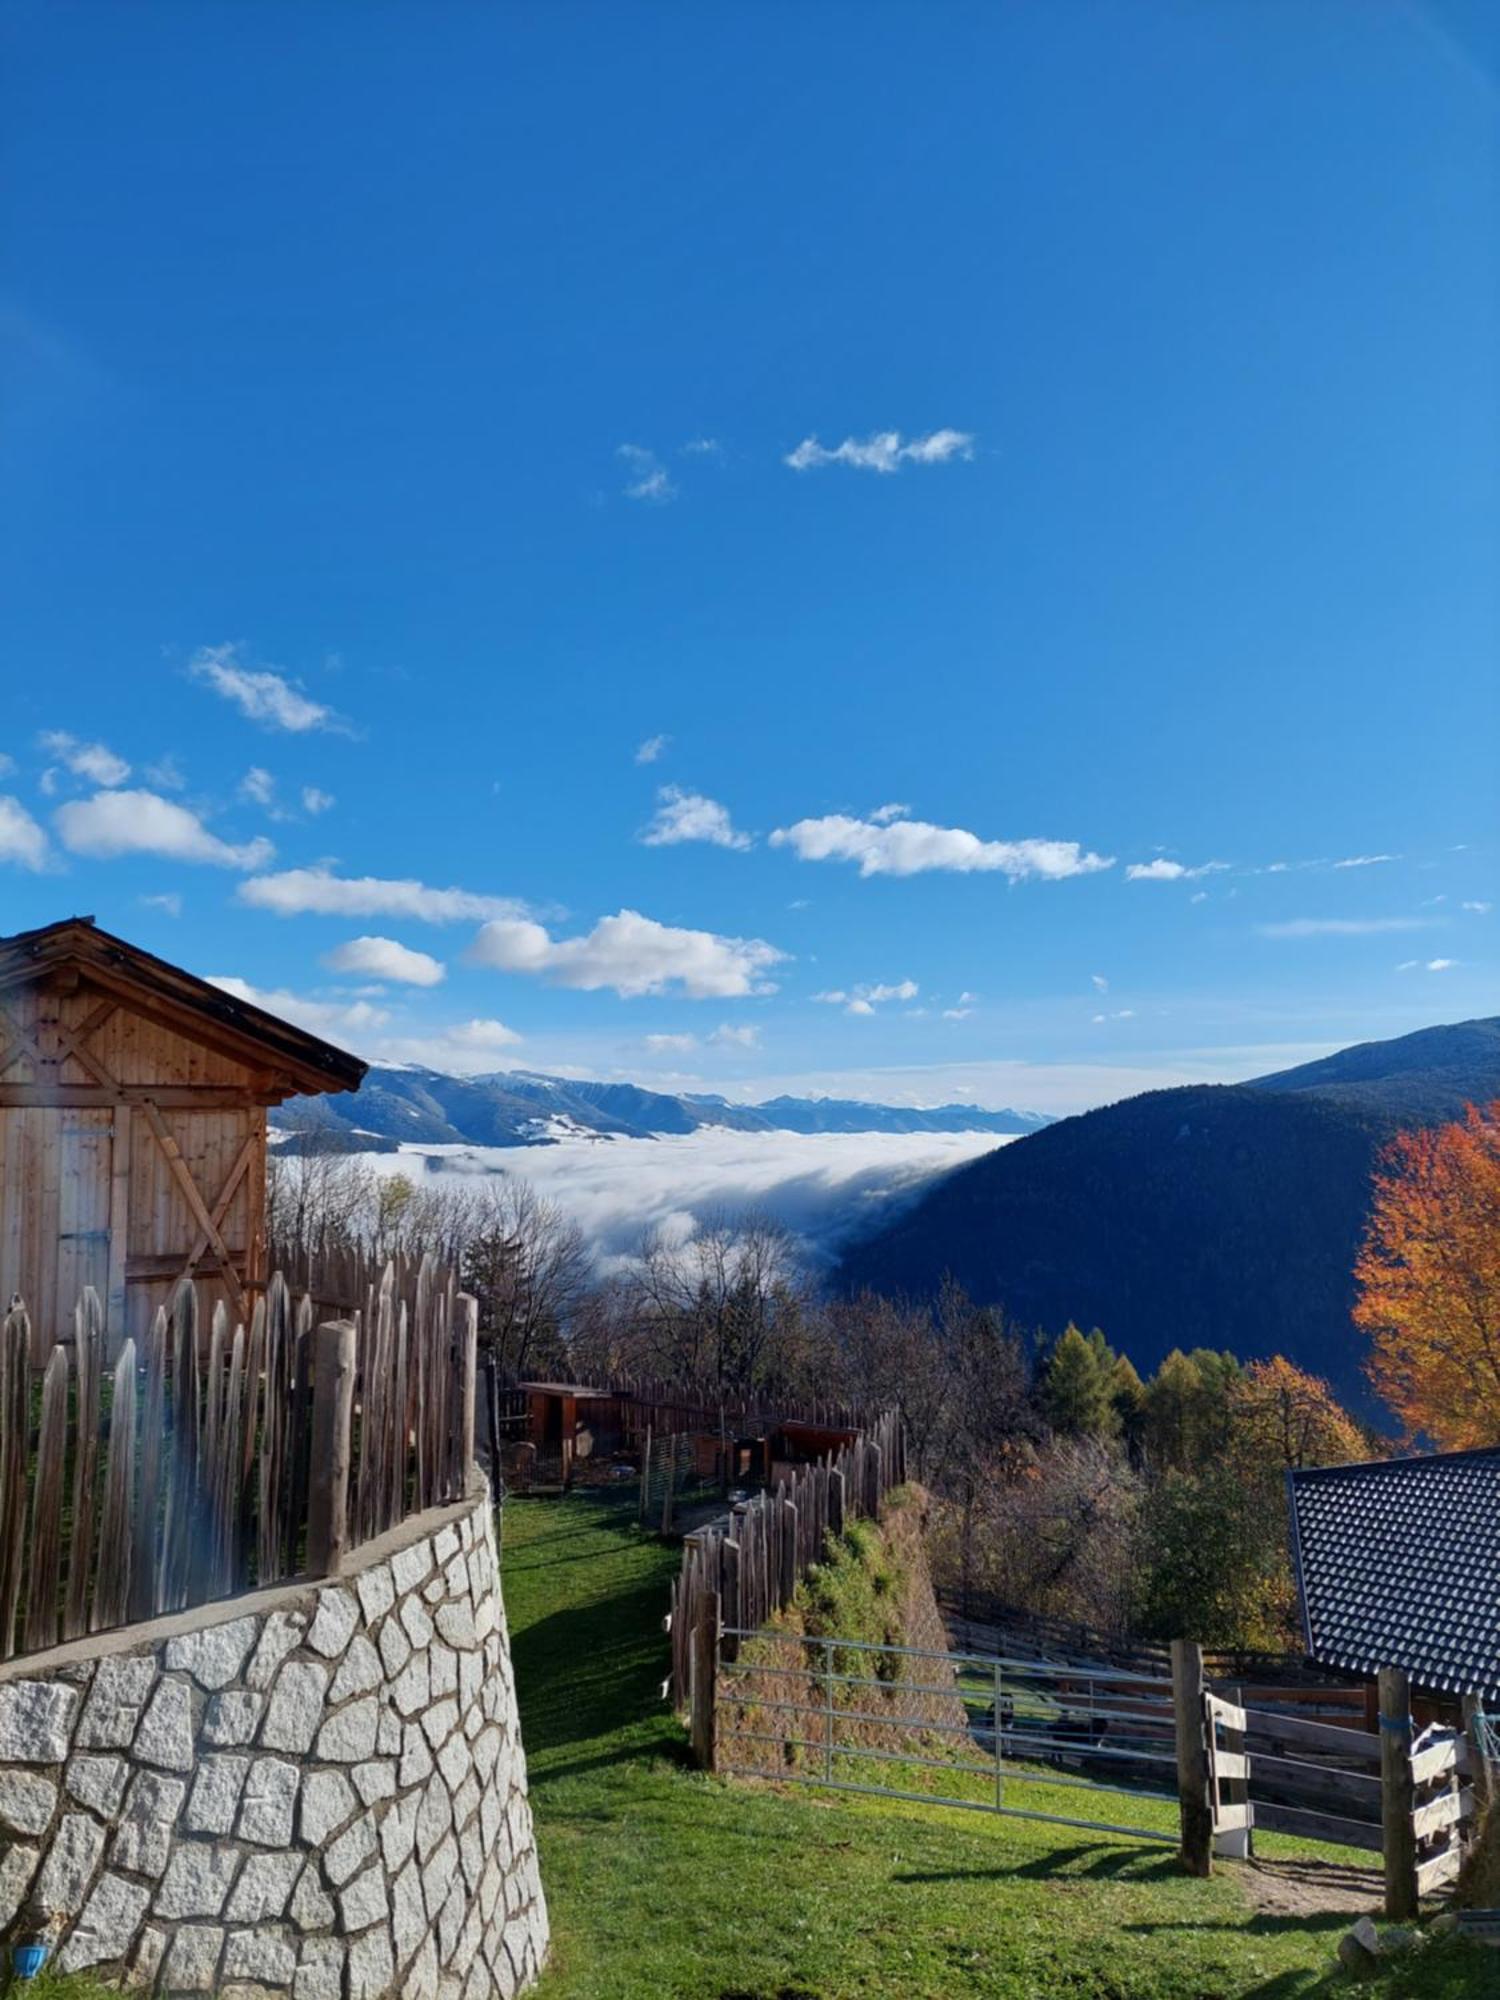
214,1459
740,1570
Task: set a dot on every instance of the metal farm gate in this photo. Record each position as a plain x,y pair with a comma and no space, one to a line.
972,1730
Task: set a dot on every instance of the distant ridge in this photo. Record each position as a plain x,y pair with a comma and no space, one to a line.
523,1108
1211,1215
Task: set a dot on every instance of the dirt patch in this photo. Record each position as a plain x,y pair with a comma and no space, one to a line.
1310,1888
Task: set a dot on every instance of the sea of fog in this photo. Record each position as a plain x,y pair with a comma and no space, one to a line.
826,1188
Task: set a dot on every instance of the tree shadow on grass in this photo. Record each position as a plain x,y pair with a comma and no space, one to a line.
590,1670
1107,1860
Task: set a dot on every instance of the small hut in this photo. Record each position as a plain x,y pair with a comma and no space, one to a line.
133,1103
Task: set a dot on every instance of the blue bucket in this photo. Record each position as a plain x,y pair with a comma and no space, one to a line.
28,1959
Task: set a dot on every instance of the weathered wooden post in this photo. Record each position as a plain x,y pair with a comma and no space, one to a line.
1480,1775
645,1474
836,1502
468,1348
1196,1810
332,1448
704,1676
1397,1795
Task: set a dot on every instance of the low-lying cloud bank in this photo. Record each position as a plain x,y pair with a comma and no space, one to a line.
825,1188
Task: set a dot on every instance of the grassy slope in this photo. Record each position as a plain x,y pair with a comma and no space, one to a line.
669,1884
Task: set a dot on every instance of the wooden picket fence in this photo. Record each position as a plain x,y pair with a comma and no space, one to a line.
740,1570
222,1458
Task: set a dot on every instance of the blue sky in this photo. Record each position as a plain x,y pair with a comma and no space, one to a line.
853,486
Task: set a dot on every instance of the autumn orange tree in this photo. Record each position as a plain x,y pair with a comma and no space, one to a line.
1429,1280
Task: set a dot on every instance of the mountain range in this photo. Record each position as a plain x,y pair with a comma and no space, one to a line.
1209,1215
521,1108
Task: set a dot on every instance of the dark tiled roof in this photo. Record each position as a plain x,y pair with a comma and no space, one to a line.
1398,1565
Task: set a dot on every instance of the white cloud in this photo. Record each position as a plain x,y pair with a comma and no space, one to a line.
1305,927
1162,870
7,764
703,447
913,847
1098,981
671,1044
1479,909
319,892
1120,1014
631,954
649,751
383,958
111,824
466,1048
260,693
863,1000
1427,965
963,1008
169,902
883,451
334,1018
258,786
728,1036
1365,860
21,839
94,761
883,815
684,816
315,802
648,477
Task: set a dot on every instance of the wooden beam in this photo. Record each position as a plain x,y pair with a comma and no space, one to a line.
1194,1805
101,1097
192,1195
1397,1795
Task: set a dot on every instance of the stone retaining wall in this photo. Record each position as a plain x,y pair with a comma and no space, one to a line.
317,1791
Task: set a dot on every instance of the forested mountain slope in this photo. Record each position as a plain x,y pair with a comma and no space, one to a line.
1213,1215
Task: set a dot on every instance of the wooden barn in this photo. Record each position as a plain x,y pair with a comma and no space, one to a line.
133,1104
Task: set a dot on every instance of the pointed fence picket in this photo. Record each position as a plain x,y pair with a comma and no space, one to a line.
193,1470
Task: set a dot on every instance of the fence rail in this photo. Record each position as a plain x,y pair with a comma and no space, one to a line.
219,1458
740,1570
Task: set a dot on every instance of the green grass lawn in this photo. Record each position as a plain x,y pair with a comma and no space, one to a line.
666,1883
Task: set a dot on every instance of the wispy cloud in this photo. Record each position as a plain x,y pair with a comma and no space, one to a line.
1163,870
169,902
259,787
650,751
22,841
1306,927
1427,964
962,1009
261,693
1479,909
916,847
729,1035
341,1019
1365,860
315,801
1098,981
113,824
883,451
630,954
682,816
703,447
319,892
384,958
647,478
464,1048
94,761
671,1044
863,1000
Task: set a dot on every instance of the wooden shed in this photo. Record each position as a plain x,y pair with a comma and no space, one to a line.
133,1104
